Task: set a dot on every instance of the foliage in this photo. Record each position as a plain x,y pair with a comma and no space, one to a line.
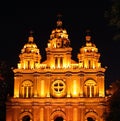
112,15
6,79
113,113
6,87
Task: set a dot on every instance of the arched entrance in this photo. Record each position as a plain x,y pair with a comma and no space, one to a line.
58,115
90,119
91,116
59,119
26,118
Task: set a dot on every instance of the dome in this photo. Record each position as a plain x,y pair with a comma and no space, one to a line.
30,46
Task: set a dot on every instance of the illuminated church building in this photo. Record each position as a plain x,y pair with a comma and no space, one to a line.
59,88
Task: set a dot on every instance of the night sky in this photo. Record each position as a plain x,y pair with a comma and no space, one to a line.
16,23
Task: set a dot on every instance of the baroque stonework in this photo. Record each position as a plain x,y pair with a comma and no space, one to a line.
59,88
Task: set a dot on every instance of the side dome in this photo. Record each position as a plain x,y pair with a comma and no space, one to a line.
30,46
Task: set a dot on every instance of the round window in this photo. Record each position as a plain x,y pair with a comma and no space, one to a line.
58,88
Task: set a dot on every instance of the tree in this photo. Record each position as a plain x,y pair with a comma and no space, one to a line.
7,77
113,113
6,86
112,15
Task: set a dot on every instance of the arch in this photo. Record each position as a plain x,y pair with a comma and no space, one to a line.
58,114
90,88
26,89
26,118
90,119
59,118
24,115
91,116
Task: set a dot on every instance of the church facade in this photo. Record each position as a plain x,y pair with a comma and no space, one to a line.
59,88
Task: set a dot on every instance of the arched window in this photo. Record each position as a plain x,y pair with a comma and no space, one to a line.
59,119
26,118
26,89
90,119
90,88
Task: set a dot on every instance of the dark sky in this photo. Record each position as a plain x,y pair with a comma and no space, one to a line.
16,22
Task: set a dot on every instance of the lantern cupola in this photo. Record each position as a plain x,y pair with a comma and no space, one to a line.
59,36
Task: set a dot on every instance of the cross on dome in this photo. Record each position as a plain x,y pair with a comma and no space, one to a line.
59,21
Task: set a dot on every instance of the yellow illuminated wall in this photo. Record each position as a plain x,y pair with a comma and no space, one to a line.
58,87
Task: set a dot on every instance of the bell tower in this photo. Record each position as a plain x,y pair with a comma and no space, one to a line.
30,56
58,49
93,73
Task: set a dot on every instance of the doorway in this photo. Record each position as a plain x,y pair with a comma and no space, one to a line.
90,119
59,119
26,118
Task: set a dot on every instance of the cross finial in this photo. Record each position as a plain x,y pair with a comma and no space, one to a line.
59,21
88,37
30,38
59,16
31,32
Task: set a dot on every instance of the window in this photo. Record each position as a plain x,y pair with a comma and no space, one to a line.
90,88
59,119
26,118
58,88
26,89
